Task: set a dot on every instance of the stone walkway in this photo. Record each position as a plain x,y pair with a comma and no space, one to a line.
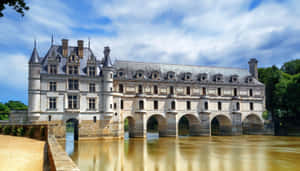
19,153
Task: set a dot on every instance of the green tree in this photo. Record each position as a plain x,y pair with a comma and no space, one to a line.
4,111
16,105
291,67
18,5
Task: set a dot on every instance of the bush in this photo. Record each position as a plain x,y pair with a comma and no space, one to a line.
0,129
31,132
20,131
14,130
7,130
265,114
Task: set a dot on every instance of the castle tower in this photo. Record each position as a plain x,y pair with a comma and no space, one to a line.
34,100
107,83
253,67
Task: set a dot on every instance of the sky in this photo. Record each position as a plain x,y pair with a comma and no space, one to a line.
198,32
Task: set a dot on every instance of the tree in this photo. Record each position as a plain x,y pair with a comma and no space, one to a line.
4,112
16,105
291,67
18,5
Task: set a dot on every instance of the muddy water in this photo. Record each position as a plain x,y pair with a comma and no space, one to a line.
241,153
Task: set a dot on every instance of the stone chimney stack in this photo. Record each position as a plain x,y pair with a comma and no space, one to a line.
64,43
253,67
80,48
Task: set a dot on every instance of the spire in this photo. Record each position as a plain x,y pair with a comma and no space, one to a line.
107,61
35,55
89,45
52,40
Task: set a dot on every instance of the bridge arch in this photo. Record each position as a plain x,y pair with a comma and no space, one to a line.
157,123
129,126
221,125
252,124
72,126
189,122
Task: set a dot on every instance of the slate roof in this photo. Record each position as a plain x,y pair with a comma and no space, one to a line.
55,53
34,57
130,68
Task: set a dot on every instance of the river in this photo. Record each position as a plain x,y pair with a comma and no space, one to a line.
241,153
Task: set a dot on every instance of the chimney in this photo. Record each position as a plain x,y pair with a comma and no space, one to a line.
80,48
64,43
253,67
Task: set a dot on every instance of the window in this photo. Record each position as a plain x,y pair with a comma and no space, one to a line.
155,104
235,92
95,119
188,105
73,84
251,106
121,88
219,106
250,92
52,103
92,103
141,105
111,75
219,92
116,114
49,118
92,87
173,105
111,89
111,106
92,71
206,105
188,90
73,70
72,102
52,86
171,90
140,89
155,90
237,106
115,105
121,104
204,91
53,69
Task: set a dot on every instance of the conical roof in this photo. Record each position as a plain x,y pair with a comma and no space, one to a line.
34,56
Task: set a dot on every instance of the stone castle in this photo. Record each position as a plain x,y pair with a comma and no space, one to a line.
70,84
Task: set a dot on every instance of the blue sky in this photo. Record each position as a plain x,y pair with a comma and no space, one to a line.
207,32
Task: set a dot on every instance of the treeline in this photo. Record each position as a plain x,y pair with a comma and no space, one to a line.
5,108
283,95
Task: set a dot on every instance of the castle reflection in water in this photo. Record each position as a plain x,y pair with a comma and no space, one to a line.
188,153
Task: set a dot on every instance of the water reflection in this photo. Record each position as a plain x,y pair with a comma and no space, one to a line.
188,153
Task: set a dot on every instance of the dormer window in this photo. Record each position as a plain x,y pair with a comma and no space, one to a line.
234,78
218,78
155,75
140,74
249,79
120,73
188,76
72,69
203,77
171,75
52,69
92,71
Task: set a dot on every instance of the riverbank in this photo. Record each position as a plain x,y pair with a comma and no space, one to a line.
20,153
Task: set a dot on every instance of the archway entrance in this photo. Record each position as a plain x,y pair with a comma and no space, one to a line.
129,127
221,125
188,125
252,125
157,126
72,129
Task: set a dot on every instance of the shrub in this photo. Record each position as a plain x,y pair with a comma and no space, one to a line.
14,130
7,130
31,132
20,131
1,129
265,114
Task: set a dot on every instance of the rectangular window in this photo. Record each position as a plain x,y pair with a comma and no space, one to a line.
173,105
52,86
121,89
206,105
250,92
141,105
219,92
92,103
53,69
73,84
92,87
115,105
72,102
140,89
251,106
73,70
235,92
92,71
219,106
155,90
238,106
188,90
204,91
188,105
52,103
95,119
155,104
121,104
171,90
